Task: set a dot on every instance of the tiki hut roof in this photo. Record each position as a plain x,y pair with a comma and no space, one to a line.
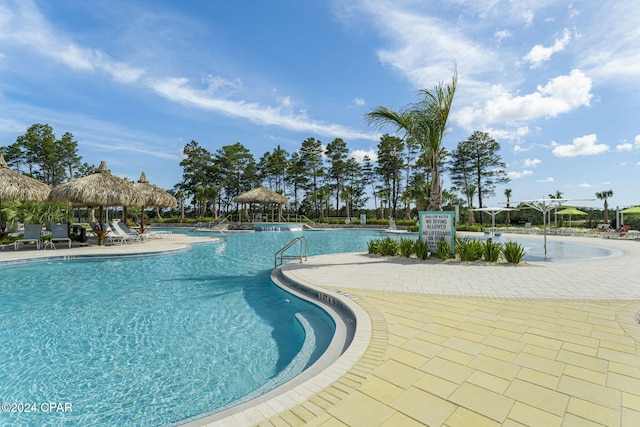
261,195
20,188
98,189
154,195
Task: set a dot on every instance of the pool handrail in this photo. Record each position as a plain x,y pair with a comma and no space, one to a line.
282,256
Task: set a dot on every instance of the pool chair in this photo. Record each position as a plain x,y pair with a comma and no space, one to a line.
60,233
128,234
32,233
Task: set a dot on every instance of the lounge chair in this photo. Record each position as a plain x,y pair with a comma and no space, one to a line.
32,233
60,233
123,232
124,229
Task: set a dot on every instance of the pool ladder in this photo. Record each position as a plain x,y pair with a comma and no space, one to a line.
281,256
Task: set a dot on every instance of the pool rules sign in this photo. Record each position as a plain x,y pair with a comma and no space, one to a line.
436,225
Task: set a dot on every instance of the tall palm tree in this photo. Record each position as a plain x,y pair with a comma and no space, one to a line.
604,195
507,194
424,122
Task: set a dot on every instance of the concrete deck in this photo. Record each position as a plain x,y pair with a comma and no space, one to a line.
551,344
450,344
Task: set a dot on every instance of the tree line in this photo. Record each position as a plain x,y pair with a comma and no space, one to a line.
319,180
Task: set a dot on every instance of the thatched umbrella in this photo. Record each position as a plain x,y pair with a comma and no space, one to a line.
19,188
97,190
153,196
15,187
262,195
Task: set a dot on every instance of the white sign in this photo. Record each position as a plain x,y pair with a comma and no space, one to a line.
436,225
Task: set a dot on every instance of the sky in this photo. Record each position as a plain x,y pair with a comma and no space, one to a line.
557,83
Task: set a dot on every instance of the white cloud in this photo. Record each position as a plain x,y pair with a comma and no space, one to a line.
358,155
585,185
547,179
501,35
624,146
540,54
637,141
560,95
517,175
531,163
178,90
582,146
358,101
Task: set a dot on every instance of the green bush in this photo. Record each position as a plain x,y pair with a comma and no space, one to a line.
373,246
413,229
465,227
443,248
513,252
389,247
492,251
421,249
384,247
469,249
406,247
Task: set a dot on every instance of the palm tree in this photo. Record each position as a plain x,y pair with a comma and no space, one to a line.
507,194
424,122
558,195
604,195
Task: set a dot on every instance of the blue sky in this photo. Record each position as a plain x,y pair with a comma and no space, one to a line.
557,83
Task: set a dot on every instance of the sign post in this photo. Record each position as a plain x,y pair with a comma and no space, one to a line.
436,225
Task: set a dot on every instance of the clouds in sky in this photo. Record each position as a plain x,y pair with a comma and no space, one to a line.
583,146
540,54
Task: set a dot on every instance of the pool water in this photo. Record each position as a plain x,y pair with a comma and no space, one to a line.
156,340
149,340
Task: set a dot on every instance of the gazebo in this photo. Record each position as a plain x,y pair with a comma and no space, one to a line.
263,196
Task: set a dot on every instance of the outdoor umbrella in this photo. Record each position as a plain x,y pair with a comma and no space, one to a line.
98,190
634,210
20,188
153,196
493,211
570,211
15,187
263,196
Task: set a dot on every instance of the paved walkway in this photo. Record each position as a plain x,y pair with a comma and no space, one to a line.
552,344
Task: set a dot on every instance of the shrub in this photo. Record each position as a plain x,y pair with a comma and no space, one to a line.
389,247
492,251
469,249
406,247
384,247
421,249
372,246
465,227
513,252
443,248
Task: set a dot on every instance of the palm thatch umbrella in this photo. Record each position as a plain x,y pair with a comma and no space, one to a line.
15,187
97,190
20,188
153,196
262,195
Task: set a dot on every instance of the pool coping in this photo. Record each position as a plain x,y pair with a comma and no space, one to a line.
331,366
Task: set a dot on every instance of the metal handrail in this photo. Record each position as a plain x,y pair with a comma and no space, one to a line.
281,252
314,224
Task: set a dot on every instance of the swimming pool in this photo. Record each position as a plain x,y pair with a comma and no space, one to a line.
149,341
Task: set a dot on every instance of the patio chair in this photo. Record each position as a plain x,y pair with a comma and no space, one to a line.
124,229
124,233
32,233
60,233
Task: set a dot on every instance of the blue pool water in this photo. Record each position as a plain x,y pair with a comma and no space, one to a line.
155,340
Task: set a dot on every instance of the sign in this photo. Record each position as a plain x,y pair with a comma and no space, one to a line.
435,225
